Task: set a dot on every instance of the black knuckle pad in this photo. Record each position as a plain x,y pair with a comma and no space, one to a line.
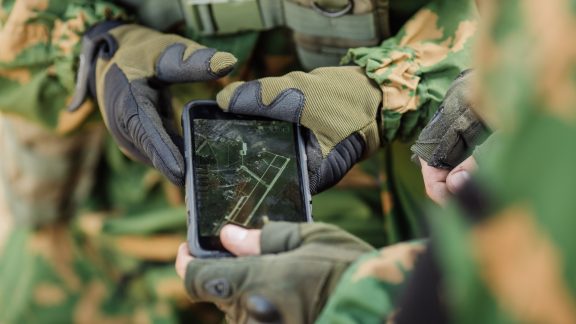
340,160
287,106
261,309
172,67
206,280
219,288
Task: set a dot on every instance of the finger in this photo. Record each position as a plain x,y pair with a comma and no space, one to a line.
182,260
147,134
435,182
460,174
240,241
181,63
278,237
276,98
224,97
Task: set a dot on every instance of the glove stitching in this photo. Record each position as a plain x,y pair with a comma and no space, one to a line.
207,64
285,93
157,64
235,96
163,162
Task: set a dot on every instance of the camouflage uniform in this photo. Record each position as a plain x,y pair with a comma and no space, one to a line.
95,234
506,246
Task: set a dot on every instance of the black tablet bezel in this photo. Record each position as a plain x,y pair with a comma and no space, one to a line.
208,109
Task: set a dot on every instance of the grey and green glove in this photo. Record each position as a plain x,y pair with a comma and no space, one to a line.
454,131
127,68
290,283
338,105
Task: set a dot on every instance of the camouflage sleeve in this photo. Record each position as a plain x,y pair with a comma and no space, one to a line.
516,255
369,290
40,43
416,67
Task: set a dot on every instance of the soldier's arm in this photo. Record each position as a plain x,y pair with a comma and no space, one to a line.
372,287
415,68
40,43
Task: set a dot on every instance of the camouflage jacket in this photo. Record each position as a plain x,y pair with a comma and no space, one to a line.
505,246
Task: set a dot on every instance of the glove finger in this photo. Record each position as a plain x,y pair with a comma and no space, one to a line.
130,110
148,133
283,103
181,63
278,237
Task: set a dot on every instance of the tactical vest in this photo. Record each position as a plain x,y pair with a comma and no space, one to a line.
323,29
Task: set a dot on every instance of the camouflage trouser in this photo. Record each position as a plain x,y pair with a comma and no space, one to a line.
61,267
5,218
45,175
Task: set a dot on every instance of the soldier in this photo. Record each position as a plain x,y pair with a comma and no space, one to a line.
113,261
503,249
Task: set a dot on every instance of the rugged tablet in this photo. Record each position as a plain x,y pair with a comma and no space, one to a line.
242,170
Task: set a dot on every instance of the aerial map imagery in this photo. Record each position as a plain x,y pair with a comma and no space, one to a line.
246,173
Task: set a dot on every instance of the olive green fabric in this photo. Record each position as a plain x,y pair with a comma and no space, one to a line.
299,267
455,130
331,108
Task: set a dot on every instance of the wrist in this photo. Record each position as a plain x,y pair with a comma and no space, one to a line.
96,43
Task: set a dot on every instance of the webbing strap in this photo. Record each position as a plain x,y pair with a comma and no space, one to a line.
307,21
219,17
312,59
321,39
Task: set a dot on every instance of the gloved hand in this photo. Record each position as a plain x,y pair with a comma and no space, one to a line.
454,131
127,68
338,105
290,283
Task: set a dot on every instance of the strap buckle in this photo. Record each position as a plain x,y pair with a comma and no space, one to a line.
333,13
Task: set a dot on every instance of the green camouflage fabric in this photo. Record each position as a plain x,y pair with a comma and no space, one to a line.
512,258
80,209
415,69
517,264
369,290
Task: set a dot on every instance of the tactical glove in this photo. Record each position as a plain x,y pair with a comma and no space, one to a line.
454,131
128,68
290,283
338,105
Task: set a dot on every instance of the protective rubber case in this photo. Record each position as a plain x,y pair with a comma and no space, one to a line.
215,121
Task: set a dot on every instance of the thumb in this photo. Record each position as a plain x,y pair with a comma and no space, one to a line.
181,63
240,241
460,174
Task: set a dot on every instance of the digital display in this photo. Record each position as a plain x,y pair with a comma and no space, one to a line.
246,173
